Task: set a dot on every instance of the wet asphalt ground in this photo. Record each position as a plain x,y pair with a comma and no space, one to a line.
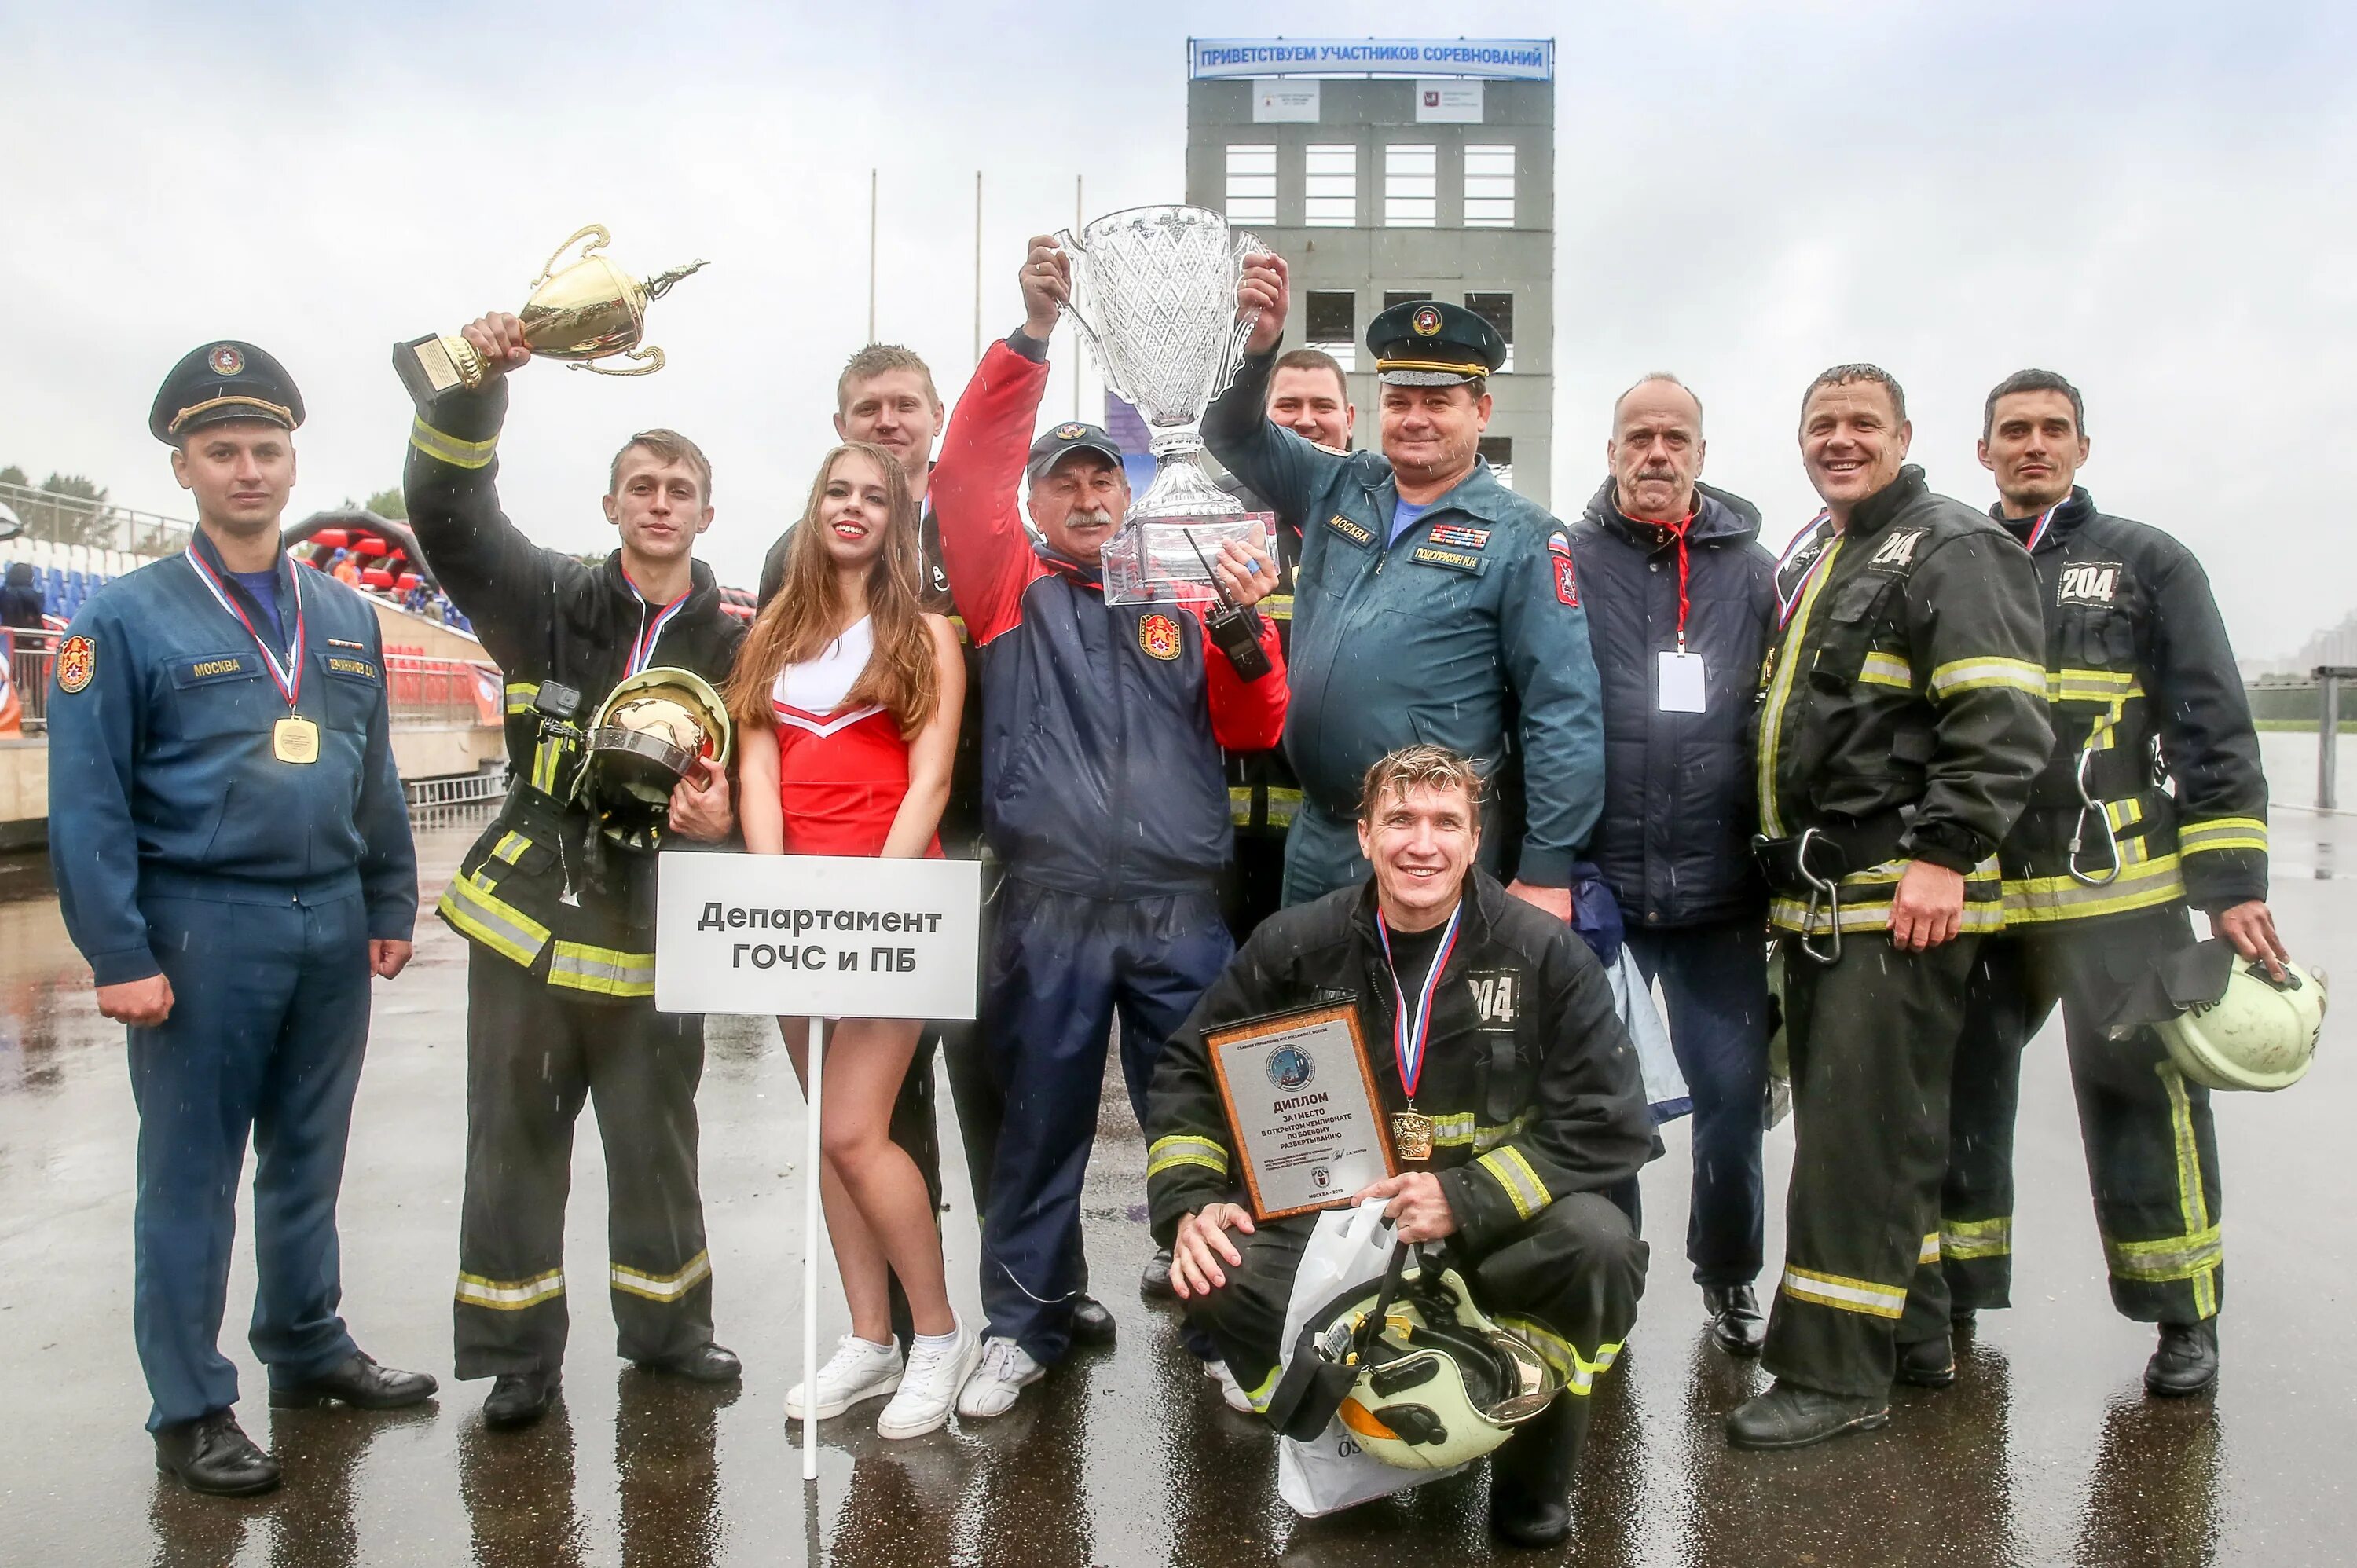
2046,1450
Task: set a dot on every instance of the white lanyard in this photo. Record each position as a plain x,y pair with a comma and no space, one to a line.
1408,1037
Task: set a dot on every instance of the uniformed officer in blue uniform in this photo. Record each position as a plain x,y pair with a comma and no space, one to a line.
234,858
1433,605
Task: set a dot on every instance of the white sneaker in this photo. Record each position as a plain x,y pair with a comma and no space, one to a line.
859,1369
1004,1373
1230,1389
930,1386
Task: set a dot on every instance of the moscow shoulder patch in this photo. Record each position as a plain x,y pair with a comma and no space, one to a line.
77,663
1567,584
1159,636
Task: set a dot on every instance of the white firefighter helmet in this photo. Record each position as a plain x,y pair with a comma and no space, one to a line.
1441,1383
649,731
2259,1034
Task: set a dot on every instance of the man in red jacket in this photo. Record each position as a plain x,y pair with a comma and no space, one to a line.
1103,797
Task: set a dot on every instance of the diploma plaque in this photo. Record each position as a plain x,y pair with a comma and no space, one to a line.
1301,1102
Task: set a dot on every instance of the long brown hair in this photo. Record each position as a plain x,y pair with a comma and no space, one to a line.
796,626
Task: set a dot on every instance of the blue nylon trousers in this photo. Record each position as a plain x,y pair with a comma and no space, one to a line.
269,1023
1062,968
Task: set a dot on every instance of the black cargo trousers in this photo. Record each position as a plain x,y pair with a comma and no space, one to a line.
2151,1143
533,1057
1872,1037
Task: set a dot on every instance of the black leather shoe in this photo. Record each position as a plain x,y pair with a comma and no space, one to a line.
359,1382
1091,1325
1155,1284
213,1455
1531,1475
707,1363
1790,1416
2186,1361
519,1399
1736,1322
1928,1363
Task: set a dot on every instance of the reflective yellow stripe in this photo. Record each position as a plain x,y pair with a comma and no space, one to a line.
1522,1184
2215,834
2143,882
1181,1149
511,847
1928,1252
450,449
543,767
606,971
1988,672
1277,607
1977,1238
1886,669
1844,1294
510,1295
1866,897
2091,685
663,1287
1780,691
474,911
2123,814
1460,1128
2191,1201
2168,1259
521,694
1577,1372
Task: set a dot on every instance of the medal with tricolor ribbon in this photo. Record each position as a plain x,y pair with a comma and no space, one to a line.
294,738
642,649
1412,1130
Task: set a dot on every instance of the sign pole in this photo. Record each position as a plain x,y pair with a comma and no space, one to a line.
815,1054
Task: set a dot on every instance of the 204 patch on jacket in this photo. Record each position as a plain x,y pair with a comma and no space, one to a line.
1496,994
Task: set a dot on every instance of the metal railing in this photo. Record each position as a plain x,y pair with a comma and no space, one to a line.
101,525
483,788
35,654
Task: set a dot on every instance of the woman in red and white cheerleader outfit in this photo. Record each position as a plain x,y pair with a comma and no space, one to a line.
846,698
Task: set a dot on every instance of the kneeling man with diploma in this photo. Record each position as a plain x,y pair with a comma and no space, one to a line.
1428,1039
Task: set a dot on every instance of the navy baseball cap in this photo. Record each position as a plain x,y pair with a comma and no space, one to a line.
1061,442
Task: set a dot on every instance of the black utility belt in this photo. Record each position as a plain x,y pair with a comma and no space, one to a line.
1815,858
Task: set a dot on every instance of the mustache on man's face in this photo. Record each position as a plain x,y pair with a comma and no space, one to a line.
1093,517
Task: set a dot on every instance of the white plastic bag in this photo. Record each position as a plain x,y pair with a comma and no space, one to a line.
1665,1086
1350,1250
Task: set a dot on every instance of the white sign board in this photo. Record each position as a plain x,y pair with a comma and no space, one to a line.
1277,101
839,936
1449,103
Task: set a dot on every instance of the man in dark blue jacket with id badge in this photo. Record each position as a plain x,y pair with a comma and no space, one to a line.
234,858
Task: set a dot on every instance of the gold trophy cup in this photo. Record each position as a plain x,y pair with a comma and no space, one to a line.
591,310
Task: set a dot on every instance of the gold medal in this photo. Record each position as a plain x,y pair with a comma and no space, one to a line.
1412,1134
294,739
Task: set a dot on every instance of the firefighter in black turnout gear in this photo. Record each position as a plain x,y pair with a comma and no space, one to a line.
1492,1022
1903,719
2151,800
558,903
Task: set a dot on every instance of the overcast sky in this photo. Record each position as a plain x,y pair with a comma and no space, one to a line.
2152,199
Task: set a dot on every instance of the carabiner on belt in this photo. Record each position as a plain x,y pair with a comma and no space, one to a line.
2090,805
1824,895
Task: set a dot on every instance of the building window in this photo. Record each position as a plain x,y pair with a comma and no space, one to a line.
1498,451
1333,323
1489,187
1411,186
1333,187
1498,310
1403,296
1251,182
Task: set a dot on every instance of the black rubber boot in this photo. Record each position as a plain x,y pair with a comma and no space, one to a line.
1736,1322
1791,1416
1531,1477
1928,1363
2185,1361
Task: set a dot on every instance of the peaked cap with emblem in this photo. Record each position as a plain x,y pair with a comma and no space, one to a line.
1062,441
222,382
1431,343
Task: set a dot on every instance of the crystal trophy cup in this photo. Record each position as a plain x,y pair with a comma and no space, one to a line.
588,311
1153,296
